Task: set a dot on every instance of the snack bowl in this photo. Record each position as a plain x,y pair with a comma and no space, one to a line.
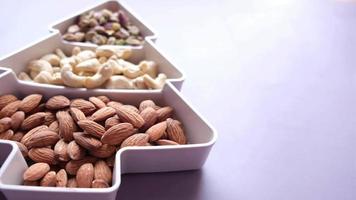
19,60
146,31
200,135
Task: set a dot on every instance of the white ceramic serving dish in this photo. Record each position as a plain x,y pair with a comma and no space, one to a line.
200,134
146,31
18,60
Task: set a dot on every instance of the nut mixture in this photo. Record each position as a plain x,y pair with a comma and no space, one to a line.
104,27
72,143
106,67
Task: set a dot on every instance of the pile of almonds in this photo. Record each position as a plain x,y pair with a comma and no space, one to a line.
72,143
104,27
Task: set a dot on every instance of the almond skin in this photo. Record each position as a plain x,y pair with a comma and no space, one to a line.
127,115
131,107
23,149
66,125
10,109
49,180
118,133
149,115
139,139
146,104
72,183
54,126
114,104
33,120
30,102
5,124
164,113
16,120
104,151
85,106
99,183
77,114
7,135
6,99
60,150
175,131
102,171
112,121
49,118
86,141
36,171
166,142
73,165
103,113
85,175
44,155
104,99
156,131
17,136
92,128
25,139
110,161
57,102
42,139
75,151
61,178
97,102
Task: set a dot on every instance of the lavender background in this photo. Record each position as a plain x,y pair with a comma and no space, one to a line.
276,78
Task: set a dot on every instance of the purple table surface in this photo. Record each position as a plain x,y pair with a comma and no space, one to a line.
276,78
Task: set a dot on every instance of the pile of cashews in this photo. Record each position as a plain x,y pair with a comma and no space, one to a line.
106,67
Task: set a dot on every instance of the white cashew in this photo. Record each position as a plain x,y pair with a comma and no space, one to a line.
56,69
157,83
60,53
37,66
119,82
103,59
53,59
24,76
139,83
149,67
83,73
103,74
71,79
116,67
85,55
130,70
76,51
57,79
91,65
68,61
43,77
110,50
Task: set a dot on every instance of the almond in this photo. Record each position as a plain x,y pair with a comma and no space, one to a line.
99,183
77,114
104,151
49,118
36,171
75,151
175,131
72,183
103,113
104,99
114,104
33,120
118,133
30,102
73,165
17,136
149,115
157,131
54,126
86,141
85,175
139,139
131,107
66,125
102,171
39,108
45,155
110,161
146,104
5,124
92,128
85,106
23,149
57,102
25,139
60,150
127,115
49,180
6,99
16,120
42,139
97,102
10,109
7,135
166,142
164,113
112,121
61,178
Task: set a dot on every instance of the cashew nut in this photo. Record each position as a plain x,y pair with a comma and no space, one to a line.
37,66
139,83
103,59
53,59
91,65
104,73
110,50
119,82
24,76
75,51
56,69
60,53
68,60
43,77
116,67
130,70
57,78
85,55
157,83
148,67
71,79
